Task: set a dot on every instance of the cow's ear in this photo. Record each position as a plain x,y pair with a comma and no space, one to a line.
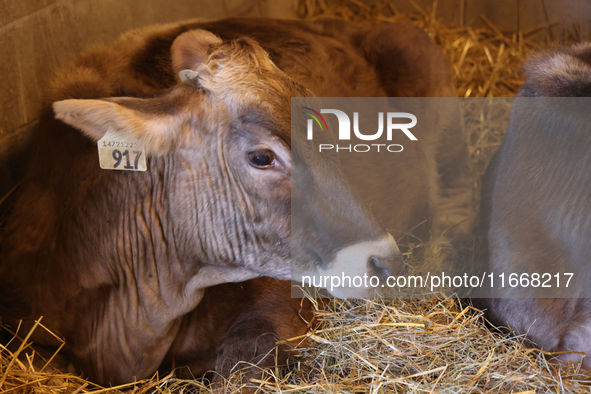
190,49
158,133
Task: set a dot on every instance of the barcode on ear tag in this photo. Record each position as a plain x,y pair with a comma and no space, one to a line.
121,152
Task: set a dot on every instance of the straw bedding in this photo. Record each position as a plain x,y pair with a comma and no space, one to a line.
423,345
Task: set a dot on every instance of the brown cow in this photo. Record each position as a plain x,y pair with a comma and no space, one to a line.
535,206
122,263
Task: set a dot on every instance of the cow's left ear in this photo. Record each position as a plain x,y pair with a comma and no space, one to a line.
157,132
190,49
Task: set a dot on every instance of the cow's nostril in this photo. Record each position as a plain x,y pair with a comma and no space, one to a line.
381,271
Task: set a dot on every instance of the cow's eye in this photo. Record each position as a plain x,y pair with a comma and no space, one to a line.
263,158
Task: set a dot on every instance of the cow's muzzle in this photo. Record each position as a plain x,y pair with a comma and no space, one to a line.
383,267
363,268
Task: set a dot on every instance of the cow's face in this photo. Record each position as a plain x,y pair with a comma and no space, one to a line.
225,134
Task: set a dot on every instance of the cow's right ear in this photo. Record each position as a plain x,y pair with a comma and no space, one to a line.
157,131
190,49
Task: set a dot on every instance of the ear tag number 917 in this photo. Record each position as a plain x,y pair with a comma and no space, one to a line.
121,152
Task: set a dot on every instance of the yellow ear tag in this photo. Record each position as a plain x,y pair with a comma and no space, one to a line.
188,75
118,151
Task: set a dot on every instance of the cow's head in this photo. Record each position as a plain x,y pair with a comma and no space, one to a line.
221,142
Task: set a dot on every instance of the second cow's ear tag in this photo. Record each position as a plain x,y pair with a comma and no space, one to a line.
118,151
188,75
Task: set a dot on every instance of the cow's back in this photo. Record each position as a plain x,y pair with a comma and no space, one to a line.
535,205
139,62
331,57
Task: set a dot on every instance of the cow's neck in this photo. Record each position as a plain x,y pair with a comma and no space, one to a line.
145,250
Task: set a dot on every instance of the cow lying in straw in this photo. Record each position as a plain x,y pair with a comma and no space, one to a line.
129,267
535,206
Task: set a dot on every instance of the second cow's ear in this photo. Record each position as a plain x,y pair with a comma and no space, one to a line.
157,132
190,49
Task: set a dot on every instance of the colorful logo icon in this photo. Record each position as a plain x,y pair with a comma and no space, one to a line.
315,115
